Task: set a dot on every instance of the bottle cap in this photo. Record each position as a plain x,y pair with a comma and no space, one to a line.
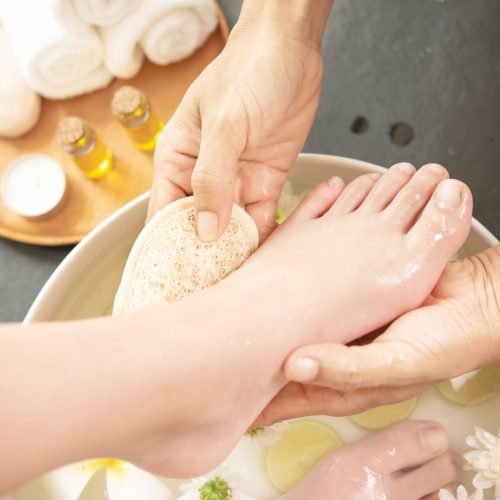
70,130
126,100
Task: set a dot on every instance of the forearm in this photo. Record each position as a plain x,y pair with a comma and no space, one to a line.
120,387
302,20
69,391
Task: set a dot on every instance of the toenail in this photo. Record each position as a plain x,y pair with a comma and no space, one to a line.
303,370
449,195
406,168
435,168
332,182
433,439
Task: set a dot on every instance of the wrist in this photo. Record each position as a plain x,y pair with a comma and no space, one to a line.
303,21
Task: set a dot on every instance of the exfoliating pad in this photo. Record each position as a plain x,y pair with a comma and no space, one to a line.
168,260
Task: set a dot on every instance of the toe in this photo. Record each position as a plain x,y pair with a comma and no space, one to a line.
427,478
405,207
354,194
387,187
443,226
407,444
317,201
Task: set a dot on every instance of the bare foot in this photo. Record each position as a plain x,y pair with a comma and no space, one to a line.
464,307
407,460
334,270
367,259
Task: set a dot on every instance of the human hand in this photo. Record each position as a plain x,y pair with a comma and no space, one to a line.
238,130
456,330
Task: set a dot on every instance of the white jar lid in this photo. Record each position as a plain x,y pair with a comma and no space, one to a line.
33,185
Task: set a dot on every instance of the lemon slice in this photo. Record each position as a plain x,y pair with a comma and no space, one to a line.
299,448
382,416
477,390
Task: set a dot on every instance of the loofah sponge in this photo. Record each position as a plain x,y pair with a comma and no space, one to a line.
168,261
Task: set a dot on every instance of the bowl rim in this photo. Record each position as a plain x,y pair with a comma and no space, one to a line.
79,251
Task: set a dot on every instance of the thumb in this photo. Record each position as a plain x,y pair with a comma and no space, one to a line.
214,177
347,368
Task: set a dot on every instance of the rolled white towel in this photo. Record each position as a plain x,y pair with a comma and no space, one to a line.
165,30
58,54
19,105
104,12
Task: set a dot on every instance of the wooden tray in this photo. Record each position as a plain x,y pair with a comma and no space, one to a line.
89,202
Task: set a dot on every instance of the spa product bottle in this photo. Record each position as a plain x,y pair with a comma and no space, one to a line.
79,139
132,108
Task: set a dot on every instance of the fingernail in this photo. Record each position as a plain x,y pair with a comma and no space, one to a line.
303,370
374,176
332,182
449,195
435,168
433,439
207,226
407,168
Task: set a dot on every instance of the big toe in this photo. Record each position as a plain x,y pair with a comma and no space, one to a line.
444,224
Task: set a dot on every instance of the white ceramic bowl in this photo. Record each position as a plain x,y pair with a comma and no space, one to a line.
84,285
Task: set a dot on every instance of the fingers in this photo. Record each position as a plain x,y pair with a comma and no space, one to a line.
264,215
345,368
164,191
175,157
414,443
298,400
214,175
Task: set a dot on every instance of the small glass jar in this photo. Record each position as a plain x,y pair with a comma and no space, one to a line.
131,107
79,139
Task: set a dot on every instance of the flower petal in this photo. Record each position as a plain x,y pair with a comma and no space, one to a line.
480,460
473,442
68,483
458,382
481,482
487,439
190,495
131,483
478,495
445,495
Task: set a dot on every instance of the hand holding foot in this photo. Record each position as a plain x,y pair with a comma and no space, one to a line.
455,331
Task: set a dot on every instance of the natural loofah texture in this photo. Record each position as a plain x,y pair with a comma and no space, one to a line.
168,261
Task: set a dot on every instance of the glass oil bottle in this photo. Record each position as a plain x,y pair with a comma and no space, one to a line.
78,139
133,110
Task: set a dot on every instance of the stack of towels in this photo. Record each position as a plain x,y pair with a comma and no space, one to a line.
63,48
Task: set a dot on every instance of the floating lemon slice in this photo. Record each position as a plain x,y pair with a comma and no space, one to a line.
382,416
298,450
483,386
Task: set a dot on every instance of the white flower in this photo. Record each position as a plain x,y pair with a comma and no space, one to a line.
222,483
124,481
266,436
485,458
461,494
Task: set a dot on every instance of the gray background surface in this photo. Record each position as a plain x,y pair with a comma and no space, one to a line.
432,64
